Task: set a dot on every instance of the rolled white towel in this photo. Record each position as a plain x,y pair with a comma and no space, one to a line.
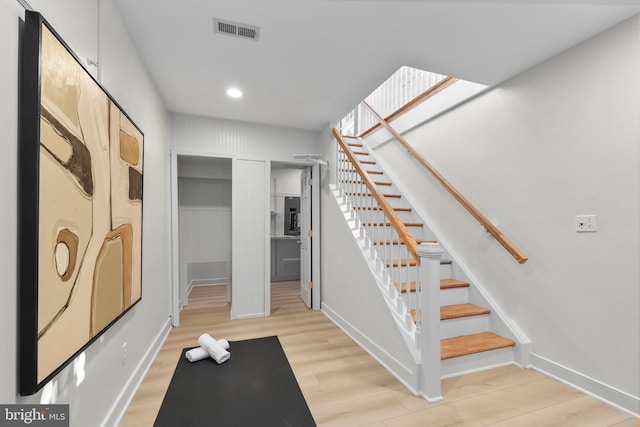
200,353
215,350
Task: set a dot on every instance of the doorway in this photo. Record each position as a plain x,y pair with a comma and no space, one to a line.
201,225
290,228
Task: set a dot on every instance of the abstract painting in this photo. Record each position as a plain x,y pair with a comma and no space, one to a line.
80,203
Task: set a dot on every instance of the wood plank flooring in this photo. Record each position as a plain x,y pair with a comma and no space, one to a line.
344,386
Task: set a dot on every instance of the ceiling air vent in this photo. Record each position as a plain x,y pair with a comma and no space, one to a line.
236,29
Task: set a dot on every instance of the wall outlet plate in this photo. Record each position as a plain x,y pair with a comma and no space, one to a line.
586,223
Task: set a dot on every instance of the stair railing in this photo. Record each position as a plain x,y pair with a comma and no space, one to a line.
399,257
491,229
385,233
432,90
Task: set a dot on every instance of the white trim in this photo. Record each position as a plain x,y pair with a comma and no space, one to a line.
402,373
476,370
175,241
316,188
248,316
608,394
25,5
119,407
267,238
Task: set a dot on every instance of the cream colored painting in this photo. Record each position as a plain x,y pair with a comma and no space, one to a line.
89,210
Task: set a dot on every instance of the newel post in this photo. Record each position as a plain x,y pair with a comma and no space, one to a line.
430,254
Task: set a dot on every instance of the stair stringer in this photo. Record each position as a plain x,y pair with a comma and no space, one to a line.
391,296
478,294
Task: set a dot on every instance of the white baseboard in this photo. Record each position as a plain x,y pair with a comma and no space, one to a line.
406,375
246,316
590,386
121,404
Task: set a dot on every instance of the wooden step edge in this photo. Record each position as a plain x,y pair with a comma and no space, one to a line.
452,284
388,224
364,162
471,344
405,287
396,242
354,144
458,311
360,153
375,208
391,196
401,263
375,172
380,183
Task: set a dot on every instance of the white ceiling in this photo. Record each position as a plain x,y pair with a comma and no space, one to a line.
316,59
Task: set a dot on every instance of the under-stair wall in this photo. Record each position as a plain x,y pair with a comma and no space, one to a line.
350,296
557,141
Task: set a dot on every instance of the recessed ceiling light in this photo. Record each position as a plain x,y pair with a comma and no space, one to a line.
234,92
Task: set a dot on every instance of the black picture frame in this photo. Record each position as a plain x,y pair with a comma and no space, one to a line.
80,181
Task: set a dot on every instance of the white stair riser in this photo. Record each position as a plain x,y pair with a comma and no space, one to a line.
464,326
476,362
446,272
454,296
447,297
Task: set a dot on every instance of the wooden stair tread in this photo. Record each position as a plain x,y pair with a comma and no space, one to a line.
364,162
361,153
401,263
391,196
354,144
375,208
396,242
403,289
375,172
458,311
452,283
470,344
380,183
388,224
444,284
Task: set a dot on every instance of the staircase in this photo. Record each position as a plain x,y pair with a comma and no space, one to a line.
467,342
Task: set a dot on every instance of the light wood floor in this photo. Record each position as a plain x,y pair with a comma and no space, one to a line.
344,386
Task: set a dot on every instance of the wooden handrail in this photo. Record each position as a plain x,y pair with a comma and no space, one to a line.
492,229
442,84
393,217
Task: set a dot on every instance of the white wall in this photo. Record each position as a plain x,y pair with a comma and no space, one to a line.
351,297
557,141
107,384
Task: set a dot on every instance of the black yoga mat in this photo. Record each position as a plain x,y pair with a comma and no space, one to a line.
255,387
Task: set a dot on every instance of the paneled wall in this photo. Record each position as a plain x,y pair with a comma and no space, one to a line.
249,228
204,135
205,232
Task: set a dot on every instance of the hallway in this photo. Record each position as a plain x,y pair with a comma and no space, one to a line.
344,386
